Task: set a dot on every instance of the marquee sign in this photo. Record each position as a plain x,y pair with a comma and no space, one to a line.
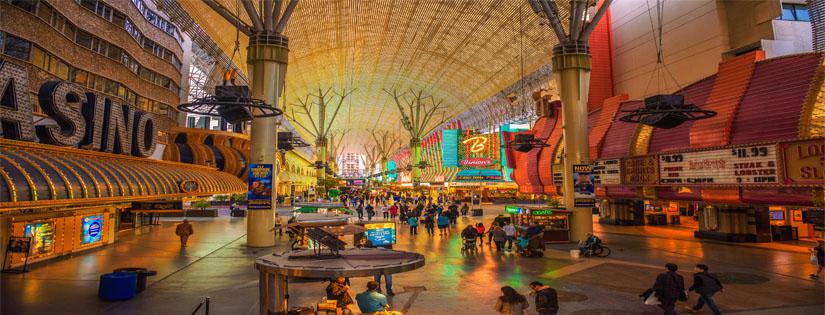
642,170
98,124
607,172
476,144
558,174
736,166
477,161
804,162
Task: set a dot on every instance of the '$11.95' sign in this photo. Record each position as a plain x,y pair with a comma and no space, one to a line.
745,165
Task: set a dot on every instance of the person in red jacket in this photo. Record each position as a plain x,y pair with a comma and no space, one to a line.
393,212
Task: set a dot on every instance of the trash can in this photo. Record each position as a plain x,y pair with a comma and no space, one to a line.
141,274
478,212
117,286
574,253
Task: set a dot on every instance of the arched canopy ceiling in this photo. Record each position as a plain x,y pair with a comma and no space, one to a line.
458,51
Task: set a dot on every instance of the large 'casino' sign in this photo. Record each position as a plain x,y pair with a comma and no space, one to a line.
98,124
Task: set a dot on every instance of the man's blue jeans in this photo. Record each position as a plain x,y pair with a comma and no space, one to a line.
387,278
509,241
706,299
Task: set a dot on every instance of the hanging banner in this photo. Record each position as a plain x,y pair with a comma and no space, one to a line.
260,186
607,172
584,191
736,166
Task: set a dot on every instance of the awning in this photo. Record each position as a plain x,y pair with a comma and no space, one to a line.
42,176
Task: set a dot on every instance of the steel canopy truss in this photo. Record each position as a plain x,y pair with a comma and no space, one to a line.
461,52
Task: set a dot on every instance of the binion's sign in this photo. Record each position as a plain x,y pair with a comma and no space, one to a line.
477,161
98,124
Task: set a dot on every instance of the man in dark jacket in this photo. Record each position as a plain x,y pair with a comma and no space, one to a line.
706,284
469,232
338,291
668,287
547,300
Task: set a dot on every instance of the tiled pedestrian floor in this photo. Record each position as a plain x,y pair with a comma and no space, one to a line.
218,265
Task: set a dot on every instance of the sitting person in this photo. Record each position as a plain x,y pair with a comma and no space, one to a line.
522,242
371,301
590,242
338,291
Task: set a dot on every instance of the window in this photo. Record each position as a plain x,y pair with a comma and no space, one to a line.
176,62
167,55
38,57
57,22
114,52
45,12
795,12
79,77
84,39
104,11
69,30
109,87
27,5
16,47
89,4
121,91
119,19
62,69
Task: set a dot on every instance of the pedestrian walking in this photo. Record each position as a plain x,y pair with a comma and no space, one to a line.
184,230
429,224
464,209
370,212
480,230
393,211
510,232
499,236
547,300
443,223
818,257
669,287
413,225
278,223
386,211
706,284
511,302
360,210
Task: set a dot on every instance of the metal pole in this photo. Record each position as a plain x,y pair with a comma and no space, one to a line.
572,70
267,63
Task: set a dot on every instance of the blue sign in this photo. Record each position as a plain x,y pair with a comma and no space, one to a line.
449,147
380,234
583,187
259,195
91,229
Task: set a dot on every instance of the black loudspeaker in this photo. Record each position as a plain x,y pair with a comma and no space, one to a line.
523,147
235,114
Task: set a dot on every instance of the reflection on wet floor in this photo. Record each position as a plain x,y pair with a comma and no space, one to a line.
218,265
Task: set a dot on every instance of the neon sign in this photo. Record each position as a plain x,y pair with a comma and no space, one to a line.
478,143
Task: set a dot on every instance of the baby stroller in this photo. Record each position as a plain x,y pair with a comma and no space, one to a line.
469,244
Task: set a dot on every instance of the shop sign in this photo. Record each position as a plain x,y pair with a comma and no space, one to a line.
607,172
584,191
542,212
742,165
643,170
98,123
259,195
479,177
514,210
804,162
558,174
477,161
476,144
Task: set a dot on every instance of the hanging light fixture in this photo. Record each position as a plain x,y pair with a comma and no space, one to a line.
665,111
525,143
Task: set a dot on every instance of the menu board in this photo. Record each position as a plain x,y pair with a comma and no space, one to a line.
42,234
90,229
607,172
642,170
743,165
380,233
558,174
